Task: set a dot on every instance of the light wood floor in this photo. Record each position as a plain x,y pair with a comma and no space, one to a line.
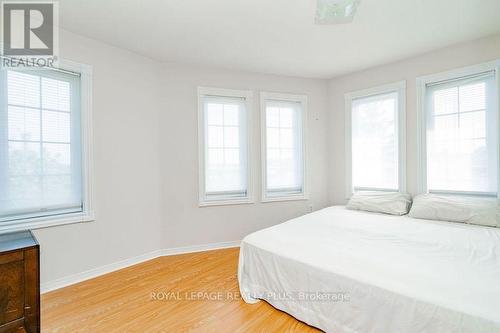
157,296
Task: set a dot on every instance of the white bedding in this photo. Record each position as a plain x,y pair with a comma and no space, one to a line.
396,274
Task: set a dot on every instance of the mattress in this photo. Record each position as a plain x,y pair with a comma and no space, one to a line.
350,271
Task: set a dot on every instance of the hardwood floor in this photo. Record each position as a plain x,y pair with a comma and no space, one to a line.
185,293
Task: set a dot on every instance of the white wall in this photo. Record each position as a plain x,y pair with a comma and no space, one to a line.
146,175
127,165
438,61
145,131
184,223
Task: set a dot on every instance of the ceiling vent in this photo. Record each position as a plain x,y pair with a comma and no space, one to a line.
335,11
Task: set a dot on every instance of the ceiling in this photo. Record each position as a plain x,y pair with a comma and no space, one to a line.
279,36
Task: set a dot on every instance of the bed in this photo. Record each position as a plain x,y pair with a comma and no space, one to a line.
351,271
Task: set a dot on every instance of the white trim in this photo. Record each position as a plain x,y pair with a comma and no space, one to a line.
290,197
223,92
421,138
302,99
95,272
422,83
45,222
348,145
248,96
87,137
224,202
460,72
87,143
402,137
497,77
199,248
400,89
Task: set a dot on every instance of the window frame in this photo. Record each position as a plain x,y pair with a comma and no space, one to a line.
88,211
247,95
400,89
302,100
422,83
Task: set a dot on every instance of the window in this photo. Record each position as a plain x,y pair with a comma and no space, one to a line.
283,167
223,134
375,139
41,161
460,132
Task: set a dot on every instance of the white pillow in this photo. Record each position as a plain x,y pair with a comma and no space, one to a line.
394,203
473,210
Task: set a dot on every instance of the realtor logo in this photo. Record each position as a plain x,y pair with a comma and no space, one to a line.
29,33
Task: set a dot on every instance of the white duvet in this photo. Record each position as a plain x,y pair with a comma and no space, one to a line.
350,271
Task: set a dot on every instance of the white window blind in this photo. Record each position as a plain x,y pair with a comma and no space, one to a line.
225,148
374,142
284,164
462,135
40,144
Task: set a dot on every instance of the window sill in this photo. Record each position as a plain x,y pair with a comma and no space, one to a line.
45,222
372,189
464,193
243,201
298,197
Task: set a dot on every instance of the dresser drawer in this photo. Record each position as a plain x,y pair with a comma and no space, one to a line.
11,291
11,257
19,283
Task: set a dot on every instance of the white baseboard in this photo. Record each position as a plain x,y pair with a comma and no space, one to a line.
95,272
199,248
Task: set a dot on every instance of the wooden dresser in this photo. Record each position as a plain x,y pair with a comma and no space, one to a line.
19,283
